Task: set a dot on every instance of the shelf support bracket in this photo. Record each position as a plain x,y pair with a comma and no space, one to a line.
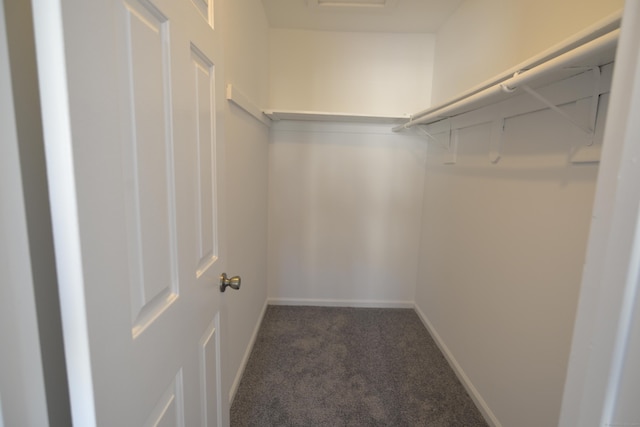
590,151
595,101
593,115
557,109
419,129
495,150
452,147
448,142
443,128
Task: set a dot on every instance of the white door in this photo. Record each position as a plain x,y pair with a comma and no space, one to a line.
133,137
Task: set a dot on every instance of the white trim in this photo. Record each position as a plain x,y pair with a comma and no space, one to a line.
247,353
341,303
488,415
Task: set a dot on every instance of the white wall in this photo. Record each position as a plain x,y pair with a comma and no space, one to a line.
485,37
502,251
344,207
246,142
247,49
366,73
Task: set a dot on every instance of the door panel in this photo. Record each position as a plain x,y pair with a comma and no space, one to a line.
144,143
149,177
205,7
210,375
169,412
203,91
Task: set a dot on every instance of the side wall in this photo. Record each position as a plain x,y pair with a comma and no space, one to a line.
502,250
344,207
246,141
21,72
485,37
365,73
22,383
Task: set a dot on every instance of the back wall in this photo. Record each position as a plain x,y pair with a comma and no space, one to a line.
344,213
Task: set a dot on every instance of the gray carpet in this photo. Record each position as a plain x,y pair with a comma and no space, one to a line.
328,366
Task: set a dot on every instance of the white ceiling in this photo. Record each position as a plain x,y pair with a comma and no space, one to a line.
395,16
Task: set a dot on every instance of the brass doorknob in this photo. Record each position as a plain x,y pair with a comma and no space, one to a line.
232,282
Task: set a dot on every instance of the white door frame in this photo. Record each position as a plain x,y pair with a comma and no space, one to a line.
601,389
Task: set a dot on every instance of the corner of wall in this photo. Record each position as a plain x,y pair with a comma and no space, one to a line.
484,408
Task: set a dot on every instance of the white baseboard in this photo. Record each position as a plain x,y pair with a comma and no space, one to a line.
488,415
341,303
247,353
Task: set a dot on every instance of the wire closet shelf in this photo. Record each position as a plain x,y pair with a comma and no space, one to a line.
587,50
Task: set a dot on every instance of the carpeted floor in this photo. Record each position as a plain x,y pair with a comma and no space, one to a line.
328,366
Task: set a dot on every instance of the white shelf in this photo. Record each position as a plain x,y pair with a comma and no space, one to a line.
334,117
238,98
591,48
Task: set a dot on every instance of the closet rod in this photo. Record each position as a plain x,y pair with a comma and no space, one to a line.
568,59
